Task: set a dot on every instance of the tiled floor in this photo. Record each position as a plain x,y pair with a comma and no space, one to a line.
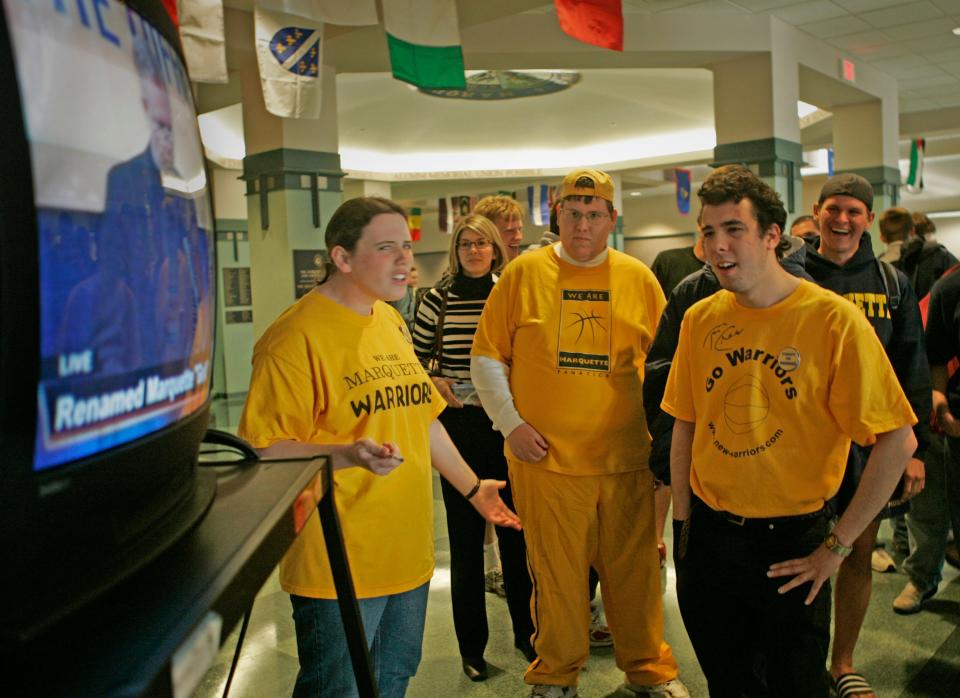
914,656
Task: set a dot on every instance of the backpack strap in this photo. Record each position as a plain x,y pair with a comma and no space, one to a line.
891,283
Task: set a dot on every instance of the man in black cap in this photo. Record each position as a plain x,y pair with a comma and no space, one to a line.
845,263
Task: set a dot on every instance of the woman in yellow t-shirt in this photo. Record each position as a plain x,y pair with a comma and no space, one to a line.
336,374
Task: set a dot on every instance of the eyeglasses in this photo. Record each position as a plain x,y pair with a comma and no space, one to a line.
593,217
481,245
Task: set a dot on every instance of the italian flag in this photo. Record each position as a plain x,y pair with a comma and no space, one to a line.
424,41
915,178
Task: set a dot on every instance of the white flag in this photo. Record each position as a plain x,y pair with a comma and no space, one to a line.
201,32
290,56
345,12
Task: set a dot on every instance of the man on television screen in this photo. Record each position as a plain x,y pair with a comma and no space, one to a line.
150,240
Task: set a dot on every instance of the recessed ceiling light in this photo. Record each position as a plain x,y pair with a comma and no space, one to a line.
634,193
956,30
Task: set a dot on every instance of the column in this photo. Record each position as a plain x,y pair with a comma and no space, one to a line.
293,185
616,237
865,142
755,113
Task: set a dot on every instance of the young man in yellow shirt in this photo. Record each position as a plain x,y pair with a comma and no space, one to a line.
772,379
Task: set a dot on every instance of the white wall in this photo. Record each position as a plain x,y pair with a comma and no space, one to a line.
948,233
652,223
229,194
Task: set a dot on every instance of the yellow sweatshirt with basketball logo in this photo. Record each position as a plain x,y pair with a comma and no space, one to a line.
575,339
777,394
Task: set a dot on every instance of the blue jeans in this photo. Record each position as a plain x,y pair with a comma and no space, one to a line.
394,628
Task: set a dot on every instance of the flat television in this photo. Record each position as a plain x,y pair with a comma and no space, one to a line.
106,302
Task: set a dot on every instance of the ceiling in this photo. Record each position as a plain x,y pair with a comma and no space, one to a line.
636,120
908,40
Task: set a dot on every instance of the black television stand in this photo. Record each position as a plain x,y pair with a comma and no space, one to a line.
148,634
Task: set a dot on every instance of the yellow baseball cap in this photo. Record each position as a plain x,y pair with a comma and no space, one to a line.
600,185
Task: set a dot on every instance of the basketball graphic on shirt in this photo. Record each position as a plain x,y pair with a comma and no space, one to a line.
583,341
746,405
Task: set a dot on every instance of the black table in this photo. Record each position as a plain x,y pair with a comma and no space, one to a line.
169,619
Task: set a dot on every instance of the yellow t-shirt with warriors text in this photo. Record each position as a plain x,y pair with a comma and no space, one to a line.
575,339
322,374
776,395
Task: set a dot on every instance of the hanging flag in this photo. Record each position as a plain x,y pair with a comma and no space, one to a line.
597,22
169,5
423,37
414,221
201,33
445,215
353,13
829,162
915,178
683,178
462,207
538,200
552,195
289,53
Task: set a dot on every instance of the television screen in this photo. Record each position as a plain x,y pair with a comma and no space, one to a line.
124,224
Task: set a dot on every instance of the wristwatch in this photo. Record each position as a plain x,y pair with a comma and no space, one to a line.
834,545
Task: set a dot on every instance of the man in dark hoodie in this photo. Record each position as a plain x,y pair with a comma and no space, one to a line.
845,263
923,261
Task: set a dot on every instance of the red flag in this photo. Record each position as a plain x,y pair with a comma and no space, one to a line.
171,7
597,22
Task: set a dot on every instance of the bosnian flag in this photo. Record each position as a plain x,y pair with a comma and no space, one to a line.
538,199
423,37
289,53
597,22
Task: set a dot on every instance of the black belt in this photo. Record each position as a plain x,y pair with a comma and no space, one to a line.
738,520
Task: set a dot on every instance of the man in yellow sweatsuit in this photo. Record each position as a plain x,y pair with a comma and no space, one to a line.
558,363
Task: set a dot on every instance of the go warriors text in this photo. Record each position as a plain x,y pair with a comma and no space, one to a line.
788,360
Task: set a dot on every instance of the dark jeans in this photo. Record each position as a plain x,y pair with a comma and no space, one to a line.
749,639
953,484
482,447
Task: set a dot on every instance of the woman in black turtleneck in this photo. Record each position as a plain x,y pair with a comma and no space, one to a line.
446,322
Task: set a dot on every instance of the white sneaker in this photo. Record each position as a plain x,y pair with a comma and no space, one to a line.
881,561
673,688
545,691
600,635
493,583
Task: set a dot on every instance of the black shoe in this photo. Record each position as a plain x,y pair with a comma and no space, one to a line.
475,668
526,649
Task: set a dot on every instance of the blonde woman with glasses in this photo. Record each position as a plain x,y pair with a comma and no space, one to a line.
446,321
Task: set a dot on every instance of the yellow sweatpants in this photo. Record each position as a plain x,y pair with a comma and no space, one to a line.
573,522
